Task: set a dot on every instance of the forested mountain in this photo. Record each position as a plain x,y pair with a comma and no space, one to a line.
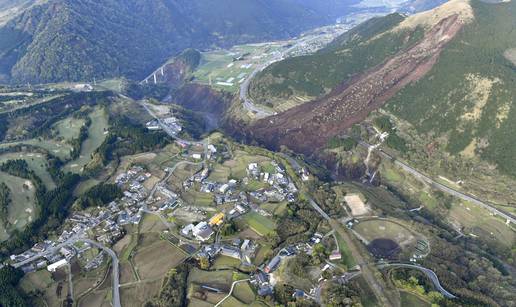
449,73
70,40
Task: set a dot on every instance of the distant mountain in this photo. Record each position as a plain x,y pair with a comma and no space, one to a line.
450,73
56,40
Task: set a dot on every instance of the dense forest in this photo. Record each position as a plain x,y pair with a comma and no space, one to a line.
5,201
72,40
100,195
9,295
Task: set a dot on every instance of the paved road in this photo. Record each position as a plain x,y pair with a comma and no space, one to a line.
70,281
231,291
50,251
431,274
116,274
244,93
424,178
293,163
248,103
379,289
170,132
318,209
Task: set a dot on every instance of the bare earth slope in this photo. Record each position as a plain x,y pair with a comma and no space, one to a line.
309,126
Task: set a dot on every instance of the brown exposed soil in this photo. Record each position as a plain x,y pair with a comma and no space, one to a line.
202,99
308,127
174,73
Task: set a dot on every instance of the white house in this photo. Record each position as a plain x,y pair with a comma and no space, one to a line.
56,265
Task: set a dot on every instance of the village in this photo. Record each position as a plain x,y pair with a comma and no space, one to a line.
201,236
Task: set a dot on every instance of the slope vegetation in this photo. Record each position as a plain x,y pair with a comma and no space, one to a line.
81,39
317,121
468,98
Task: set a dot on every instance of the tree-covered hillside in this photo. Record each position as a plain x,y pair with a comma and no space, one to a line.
81,39
469,96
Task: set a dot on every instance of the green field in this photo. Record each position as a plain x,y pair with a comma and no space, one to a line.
260,224
412,300
68,128
36,162
56,148
96,134
23,203
224,262
482,223
36,280
244,293
276,209
376,228
347,258
232,302
263,252
218,65
198,276
112,84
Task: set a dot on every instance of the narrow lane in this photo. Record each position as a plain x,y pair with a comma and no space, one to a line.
116,273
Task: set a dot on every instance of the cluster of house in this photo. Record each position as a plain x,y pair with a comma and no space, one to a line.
262,279
242,250
170,124
52,261
281,187
104,225
203,230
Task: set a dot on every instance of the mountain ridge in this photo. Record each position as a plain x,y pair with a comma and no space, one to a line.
65,40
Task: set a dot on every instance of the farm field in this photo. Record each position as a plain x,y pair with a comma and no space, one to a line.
96,134
138,294
219,68
53,292
164,257
23,203
232,302
259,223
244,293
36,162
224,262
222,277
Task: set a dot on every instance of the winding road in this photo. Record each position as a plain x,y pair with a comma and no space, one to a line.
429,273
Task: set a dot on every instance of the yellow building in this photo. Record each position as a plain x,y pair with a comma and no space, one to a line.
217,219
